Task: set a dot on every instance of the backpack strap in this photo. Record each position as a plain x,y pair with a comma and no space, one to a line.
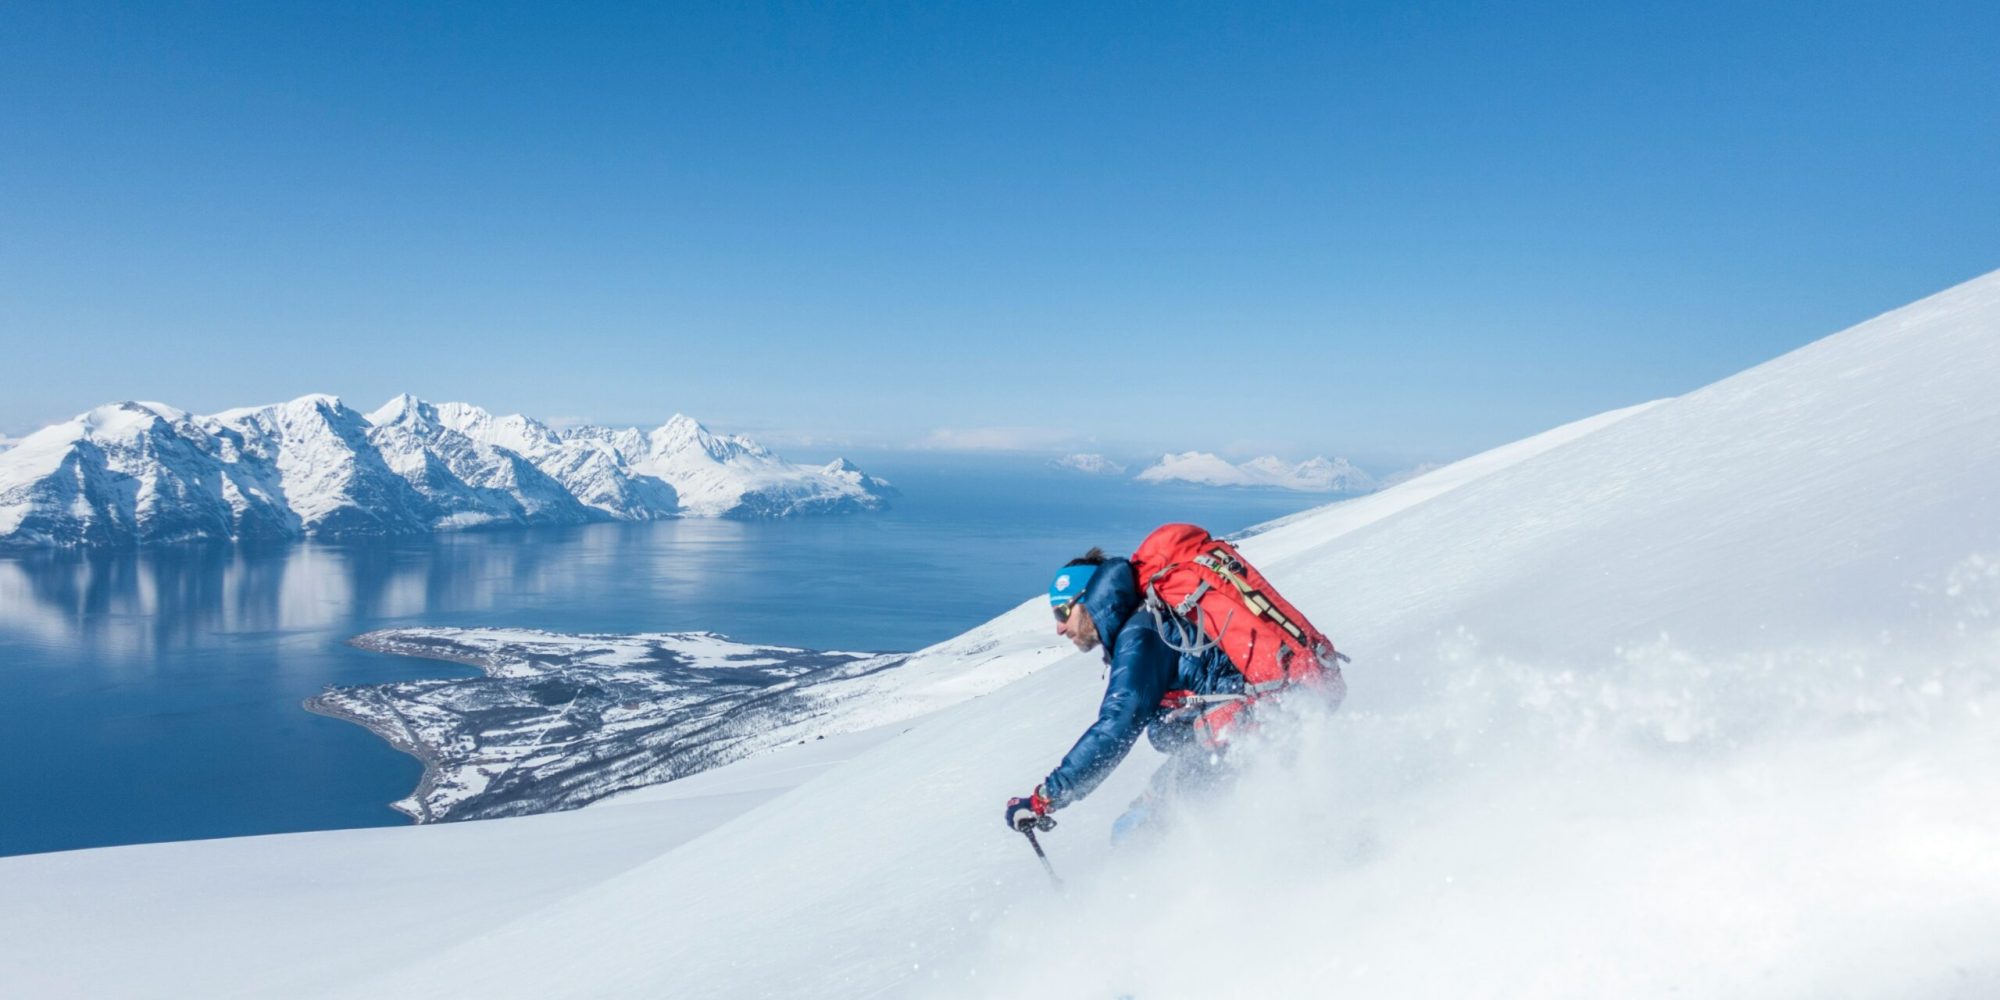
1193,640
1188,699
1231,571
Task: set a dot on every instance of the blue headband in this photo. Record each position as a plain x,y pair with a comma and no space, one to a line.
1069,584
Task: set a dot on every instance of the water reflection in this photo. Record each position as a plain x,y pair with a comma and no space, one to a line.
123,604
142,603
139,604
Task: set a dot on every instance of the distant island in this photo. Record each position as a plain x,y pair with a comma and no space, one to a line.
137,472
1089,463
1315,475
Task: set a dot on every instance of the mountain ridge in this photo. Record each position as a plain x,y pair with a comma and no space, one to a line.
312,467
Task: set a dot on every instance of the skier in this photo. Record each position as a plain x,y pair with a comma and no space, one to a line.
1097,604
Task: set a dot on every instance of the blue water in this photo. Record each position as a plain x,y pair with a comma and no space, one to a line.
154,695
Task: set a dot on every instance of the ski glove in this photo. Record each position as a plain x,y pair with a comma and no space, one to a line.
1031,812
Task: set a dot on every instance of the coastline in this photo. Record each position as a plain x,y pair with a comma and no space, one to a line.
415,805
554,721
402,736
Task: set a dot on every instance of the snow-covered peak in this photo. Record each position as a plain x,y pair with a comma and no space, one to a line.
683,433
119,426
403,408
312,408
717,474
113,419
406,410
514,432
316,402
318,431
468,419
121,472
679,433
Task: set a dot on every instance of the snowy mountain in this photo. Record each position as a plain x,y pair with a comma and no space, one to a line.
728,475
1315,475
571,481
468,482
1089,463
147,472
1689,699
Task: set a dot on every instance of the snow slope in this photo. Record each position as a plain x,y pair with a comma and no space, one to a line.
271,916
1693,699
1696,701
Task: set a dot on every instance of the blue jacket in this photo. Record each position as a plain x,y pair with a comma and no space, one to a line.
1143,668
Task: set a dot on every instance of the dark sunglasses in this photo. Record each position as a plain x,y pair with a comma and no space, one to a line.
1063,612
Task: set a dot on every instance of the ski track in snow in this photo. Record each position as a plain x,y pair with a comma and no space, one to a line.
1692,699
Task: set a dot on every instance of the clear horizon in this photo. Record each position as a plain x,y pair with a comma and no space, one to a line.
1395,235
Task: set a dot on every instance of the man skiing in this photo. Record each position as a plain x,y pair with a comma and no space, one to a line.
1097,604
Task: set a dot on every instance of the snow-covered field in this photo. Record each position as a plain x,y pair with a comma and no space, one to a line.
558,721
1691,699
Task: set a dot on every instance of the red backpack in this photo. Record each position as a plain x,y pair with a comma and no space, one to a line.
1187,574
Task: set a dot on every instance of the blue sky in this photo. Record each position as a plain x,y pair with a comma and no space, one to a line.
1390,231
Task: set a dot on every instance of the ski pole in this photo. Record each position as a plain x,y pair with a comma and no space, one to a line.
1029,832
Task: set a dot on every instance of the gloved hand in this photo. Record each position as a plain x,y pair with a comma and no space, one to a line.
1029,812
